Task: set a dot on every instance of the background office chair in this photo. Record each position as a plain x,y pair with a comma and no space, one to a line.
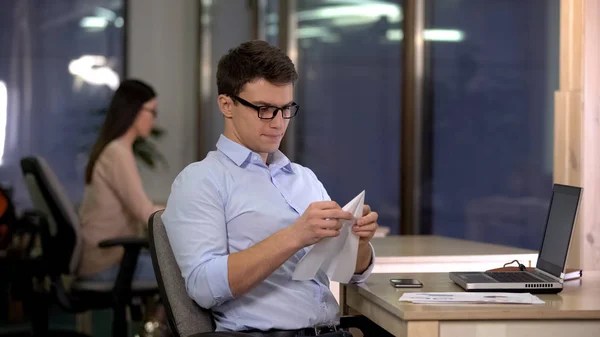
186,318
59,228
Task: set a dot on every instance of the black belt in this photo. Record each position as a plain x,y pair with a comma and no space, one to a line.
326,330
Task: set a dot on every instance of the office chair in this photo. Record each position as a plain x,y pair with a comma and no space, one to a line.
61,250
186,318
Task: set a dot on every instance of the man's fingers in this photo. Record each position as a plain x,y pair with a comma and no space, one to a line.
325,205
367,227
367,219
366,209
325,233
329,224
335,214
364,234
365,231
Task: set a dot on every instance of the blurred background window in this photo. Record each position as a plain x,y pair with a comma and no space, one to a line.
348,55
487,104
492,79
60,62
486,109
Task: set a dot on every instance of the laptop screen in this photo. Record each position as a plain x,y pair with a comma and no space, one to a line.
559,227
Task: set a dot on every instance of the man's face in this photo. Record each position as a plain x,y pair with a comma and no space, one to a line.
246,128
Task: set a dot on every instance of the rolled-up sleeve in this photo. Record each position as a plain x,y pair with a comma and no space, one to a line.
195,222
359,278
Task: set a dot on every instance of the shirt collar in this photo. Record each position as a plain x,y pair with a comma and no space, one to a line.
279,159
240,154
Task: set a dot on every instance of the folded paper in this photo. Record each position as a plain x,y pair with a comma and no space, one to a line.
335,256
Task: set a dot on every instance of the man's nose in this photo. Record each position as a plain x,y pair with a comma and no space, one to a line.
277,121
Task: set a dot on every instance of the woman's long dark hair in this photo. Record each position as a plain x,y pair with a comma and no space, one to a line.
122,111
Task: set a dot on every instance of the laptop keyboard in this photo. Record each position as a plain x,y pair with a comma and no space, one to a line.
513,277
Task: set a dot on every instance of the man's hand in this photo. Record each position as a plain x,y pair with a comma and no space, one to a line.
319,221
251,266
366,226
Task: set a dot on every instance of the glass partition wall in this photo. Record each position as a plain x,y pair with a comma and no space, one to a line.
441,110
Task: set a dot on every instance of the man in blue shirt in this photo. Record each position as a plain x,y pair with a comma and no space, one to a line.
240,220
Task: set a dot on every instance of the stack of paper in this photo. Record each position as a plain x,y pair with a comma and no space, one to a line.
463,297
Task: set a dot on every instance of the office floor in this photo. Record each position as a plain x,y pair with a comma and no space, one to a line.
58,320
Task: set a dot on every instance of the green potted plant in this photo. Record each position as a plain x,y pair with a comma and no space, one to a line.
144,149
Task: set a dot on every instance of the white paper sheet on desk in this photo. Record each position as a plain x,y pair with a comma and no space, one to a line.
470,298
335,256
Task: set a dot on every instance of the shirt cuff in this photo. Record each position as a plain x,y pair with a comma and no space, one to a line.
217,281
360,278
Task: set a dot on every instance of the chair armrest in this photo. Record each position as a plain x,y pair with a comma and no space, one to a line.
125,241
132,245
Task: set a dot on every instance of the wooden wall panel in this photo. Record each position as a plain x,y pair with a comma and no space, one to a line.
590,229
577,123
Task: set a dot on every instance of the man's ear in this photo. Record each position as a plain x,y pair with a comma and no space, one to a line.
225,105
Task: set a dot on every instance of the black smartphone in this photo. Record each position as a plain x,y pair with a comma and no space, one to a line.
406,283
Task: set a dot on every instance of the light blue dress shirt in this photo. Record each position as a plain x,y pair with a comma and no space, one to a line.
227,203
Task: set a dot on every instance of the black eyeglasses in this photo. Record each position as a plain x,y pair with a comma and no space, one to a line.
269,112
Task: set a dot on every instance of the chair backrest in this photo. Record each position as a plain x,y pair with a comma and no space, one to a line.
49,197
186,318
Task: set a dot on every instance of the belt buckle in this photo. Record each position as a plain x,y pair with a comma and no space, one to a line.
325,328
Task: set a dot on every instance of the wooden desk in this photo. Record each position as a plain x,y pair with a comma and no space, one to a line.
573,312
419,254
434,254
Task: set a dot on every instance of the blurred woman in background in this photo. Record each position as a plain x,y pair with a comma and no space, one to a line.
114,202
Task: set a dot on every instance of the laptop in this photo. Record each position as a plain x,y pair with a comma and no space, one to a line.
548,275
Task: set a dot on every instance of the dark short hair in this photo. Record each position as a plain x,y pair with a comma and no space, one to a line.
124,107
251,61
